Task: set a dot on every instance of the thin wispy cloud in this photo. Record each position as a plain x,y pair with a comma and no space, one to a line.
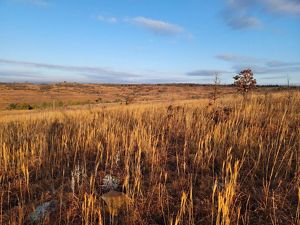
259,65
277,63
264,69
22,71
239,22
157,26
205,73
230,57
92,71
108,19
12,75
13,70
9,73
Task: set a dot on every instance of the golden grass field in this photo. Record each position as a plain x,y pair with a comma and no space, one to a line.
187,162
68,94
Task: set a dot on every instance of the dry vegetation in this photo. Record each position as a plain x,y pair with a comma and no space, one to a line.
236,162
45,96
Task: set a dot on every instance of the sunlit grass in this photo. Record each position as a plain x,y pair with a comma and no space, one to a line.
236,162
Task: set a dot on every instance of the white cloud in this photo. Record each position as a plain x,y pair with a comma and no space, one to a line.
157,26
289,7
108,19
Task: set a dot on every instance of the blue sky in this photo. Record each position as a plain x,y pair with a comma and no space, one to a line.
149,41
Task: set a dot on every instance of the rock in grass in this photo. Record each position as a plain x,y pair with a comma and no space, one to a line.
110,183
42,211
115,201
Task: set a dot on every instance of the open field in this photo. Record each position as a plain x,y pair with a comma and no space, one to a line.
47,95
235,162
43,96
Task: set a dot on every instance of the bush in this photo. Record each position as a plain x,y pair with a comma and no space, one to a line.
245,81
12,106
16,106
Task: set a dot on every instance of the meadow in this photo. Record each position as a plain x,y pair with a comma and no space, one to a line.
23,96
236,161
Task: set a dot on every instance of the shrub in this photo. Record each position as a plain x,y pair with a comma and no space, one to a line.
16,106
12,106
245,81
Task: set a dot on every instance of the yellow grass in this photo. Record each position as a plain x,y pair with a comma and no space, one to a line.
236,162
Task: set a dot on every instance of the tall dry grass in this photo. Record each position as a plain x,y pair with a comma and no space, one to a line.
237,162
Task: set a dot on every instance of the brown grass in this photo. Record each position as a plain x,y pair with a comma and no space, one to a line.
179,164
48,95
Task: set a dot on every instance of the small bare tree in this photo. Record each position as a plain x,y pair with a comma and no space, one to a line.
214,95
245,81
